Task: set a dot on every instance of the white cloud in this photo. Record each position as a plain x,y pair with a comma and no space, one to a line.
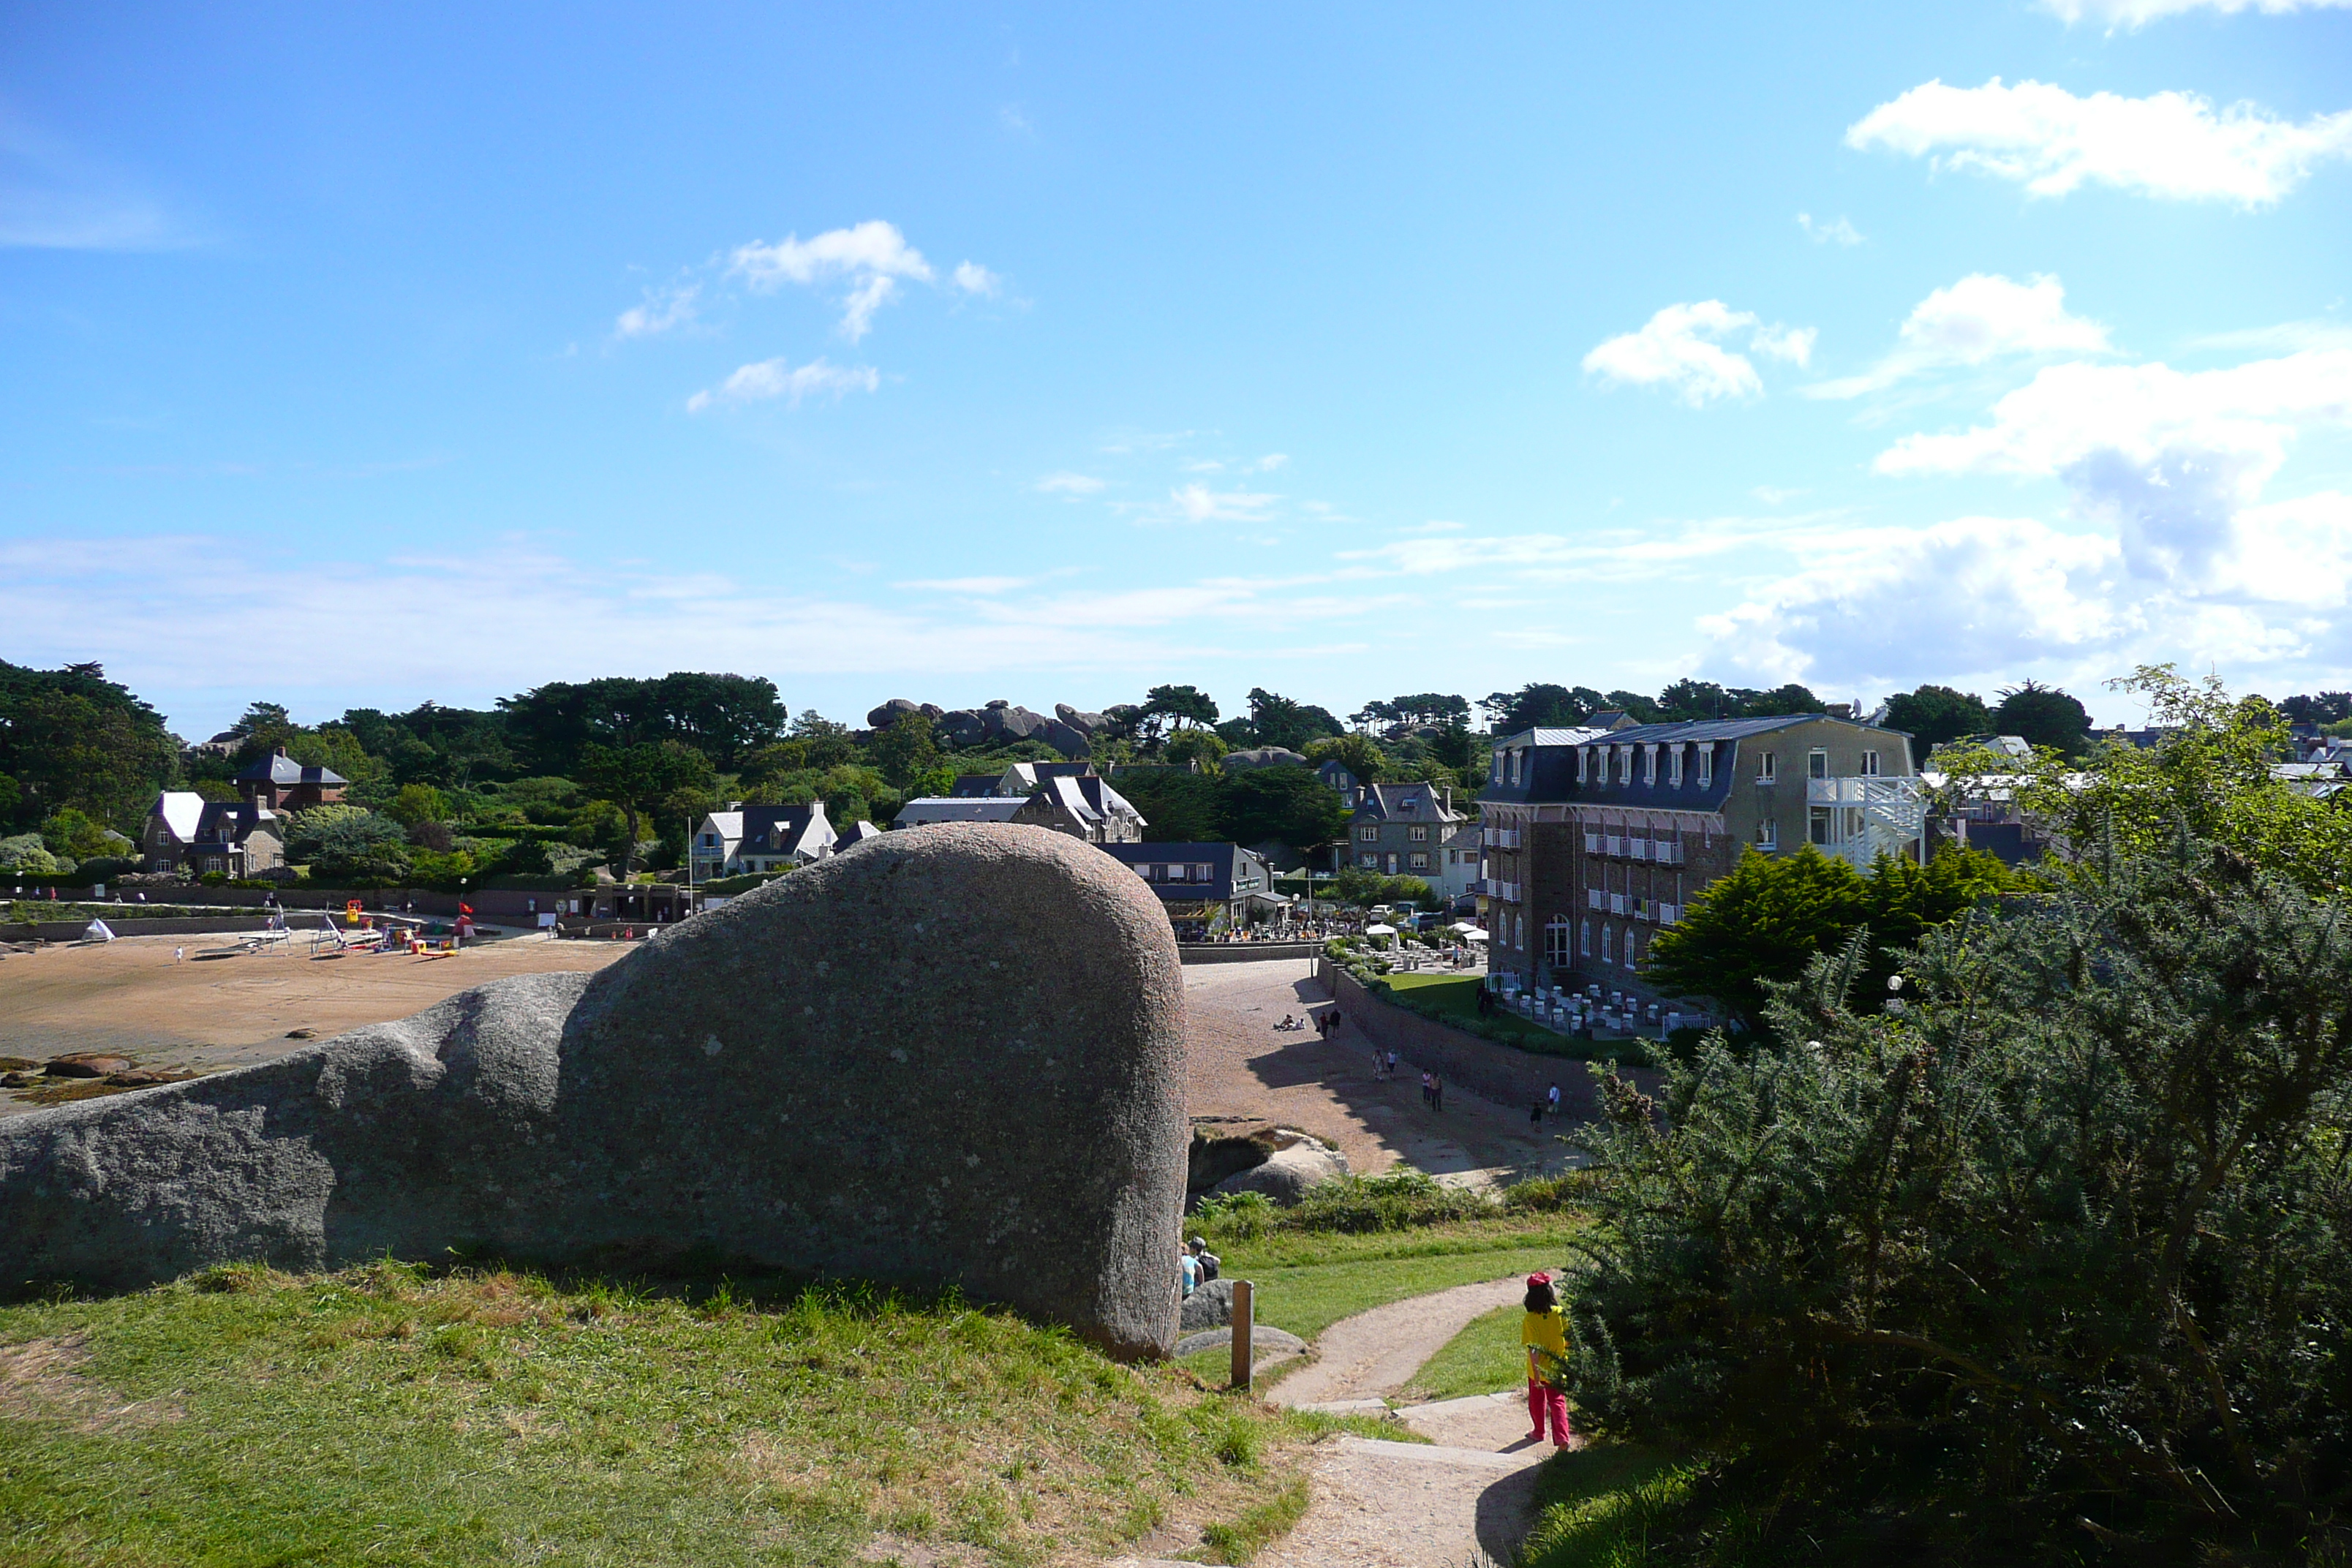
186,597
982,586
2069,414
2284,337
773,378
2173,553
1837,231
1066,484
1676,348
2171,145
661,311
2139,13
873,257
1199,503
1982,317
1270,462
872,249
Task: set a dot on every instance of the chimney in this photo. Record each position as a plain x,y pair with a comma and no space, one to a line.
281,751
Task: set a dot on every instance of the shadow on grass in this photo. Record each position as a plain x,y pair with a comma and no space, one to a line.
1601,1506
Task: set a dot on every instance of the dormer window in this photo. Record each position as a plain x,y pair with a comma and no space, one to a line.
1674,766
1624,764
1650,764
1707,766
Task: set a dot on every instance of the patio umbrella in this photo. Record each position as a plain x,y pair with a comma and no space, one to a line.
1470,932
1378,930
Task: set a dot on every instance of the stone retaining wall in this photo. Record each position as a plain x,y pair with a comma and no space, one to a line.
124,925
1488,1068
1245,952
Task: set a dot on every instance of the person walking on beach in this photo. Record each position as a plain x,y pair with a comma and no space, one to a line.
1392,1064
1552,1100
1543,1333
1425,1090
1436,1092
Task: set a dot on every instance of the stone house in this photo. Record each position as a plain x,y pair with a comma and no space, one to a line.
279,782
185,831
1400,829
1597,839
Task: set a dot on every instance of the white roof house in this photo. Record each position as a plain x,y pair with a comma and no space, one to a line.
746,839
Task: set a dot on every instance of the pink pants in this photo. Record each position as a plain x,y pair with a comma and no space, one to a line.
1543,1400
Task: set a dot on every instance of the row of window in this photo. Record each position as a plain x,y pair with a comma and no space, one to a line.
1626,952
1593,763
1370,833
1176,871
1417,860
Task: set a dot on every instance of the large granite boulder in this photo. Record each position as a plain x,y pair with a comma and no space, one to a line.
1263,757
882,718
1084,723
1011,723
1066,739
962,727
953,1057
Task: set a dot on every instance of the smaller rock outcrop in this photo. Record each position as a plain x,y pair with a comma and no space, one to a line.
1285,1176
1209,1307
1263,757
887,715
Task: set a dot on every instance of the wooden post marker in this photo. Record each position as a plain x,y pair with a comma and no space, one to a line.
1244,1319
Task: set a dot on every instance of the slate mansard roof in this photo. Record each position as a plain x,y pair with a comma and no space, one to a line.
1552,754
283,771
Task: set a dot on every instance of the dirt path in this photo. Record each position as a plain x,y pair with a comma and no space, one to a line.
1463,1498
1241,1066
1375,1354
207,1013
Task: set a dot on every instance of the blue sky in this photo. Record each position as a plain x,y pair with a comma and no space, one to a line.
356,356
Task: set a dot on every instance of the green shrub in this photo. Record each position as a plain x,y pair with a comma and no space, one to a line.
2059,1253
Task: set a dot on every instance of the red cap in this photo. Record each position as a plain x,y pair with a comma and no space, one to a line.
1539,1277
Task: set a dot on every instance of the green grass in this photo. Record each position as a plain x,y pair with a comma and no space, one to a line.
1485,1357
389,1415
1267,1522
1455,996
1607,1506
1307,1298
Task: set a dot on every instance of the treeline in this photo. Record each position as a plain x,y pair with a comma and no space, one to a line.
620,768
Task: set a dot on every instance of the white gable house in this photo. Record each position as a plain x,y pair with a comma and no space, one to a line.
745,838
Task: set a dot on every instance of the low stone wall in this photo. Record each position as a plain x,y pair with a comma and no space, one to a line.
125,925
1488,1068
1245,952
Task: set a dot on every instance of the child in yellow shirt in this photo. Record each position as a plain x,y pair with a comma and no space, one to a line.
1544,1332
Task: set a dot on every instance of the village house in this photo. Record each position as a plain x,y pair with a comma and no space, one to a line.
753,838
187,833
279,782
1596,839
1064,797
1204,888
1400,830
